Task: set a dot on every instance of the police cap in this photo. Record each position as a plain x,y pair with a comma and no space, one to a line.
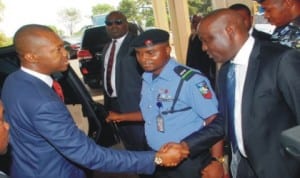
150,38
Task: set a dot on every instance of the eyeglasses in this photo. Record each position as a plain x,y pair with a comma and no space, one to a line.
111,22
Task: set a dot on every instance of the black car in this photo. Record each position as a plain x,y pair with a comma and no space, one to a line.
72,49
75,93
90,53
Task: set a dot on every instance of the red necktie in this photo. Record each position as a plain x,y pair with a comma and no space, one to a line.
109,67
57,88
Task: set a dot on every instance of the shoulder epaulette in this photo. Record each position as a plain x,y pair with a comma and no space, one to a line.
185,73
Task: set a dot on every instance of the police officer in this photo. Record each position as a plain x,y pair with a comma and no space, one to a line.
175,101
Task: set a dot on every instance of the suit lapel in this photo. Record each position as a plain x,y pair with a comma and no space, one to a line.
249,86
122,53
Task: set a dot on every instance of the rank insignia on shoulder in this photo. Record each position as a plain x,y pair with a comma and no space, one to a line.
204,90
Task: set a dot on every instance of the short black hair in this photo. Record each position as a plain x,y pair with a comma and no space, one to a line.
239,6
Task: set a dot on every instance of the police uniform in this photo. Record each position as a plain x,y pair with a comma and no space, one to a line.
174,105
288,35
158,96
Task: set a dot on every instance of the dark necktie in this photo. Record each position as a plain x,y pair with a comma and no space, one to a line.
230,102
109,67
58,90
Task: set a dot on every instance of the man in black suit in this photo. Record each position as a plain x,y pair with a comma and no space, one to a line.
266,98
122,82
245,12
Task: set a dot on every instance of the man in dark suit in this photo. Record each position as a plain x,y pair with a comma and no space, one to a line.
44,138
245,12
266,98
122,80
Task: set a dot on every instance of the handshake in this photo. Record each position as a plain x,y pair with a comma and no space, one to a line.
171,154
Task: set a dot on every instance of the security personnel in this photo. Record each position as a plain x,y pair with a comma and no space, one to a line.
175,101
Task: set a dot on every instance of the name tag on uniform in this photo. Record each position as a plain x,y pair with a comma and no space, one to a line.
160,123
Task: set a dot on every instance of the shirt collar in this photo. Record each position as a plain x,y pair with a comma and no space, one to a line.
243,55
121,39
45,78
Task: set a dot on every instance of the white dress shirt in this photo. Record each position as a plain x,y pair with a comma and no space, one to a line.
241,61
45,78
119,42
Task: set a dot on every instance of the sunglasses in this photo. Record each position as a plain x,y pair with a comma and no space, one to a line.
116,22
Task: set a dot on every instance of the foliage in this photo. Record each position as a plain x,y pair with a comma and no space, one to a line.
56,30
4,40
1,9
202,7
70,17
102,9
128,7
140,11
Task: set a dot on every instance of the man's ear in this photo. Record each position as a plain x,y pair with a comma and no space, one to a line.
30,58
230,30
168,49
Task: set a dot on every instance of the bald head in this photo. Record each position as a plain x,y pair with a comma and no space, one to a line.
27,36
40,49
222,33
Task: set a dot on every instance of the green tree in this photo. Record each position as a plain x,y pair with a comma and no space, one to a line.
128,7
56,30
1,10
199,6
102,9
4,40
139,11
70,17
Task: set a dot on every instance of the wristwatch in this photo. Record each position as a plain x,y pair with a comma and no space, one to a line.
220,160
158,160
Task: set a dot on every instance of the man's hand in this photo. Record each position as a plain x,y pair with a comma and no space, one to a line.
4,127
121,117
172,154
113,117
213,170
